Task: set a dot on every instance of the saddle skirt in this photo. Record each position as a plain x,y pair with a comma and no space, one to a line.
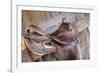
40,48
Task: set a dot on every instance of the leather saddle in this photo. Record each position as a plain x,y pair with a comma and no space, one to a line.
62,43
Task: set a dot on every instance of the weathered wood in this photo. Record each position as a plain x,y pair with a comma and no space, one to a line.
82,24
84,38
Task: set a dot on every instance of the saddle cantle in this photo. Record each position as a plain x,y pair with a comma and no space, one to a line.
62,42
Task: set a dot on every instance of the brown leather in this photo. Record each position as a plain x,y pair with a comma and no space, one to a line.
63,41
64,35
34,28
67,39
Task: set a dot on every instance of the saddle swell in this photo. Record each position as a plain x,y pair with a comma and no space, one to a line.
64,35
